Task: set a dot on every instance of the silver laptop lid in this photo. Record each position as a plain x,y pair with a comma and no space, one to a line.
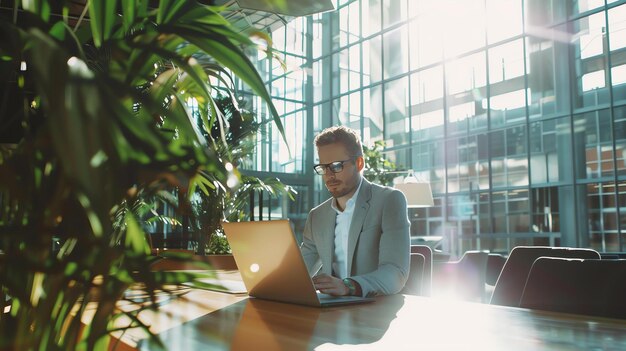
270,262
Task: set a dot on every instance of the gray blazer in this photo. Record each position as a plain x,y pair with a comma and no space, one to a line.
378,240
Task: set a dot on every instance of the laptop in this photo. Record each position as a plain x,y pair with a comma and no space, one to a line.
272,267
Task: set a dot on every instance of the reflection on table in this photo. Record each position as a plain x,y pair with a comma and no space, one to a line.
390,323
266,325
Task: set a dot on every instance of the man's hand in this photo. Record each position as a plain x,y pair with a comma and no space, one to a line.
330,285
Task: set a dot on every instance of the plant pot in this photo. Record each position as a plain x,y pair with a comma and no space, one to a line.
223,262
226,261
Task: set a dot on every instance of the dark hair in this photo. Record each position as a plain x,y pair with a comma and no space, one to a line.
342,135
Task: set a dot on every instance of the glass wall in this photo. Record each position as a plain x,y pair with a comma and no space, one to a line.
514,110
288,72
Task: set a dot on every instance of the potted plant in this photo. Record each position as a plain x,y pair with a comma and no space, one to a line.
100,94
211,206
378,168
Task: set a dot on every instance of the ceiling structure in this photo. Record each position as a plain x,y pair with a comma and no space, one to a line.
245,15
269,15
294,8
265,15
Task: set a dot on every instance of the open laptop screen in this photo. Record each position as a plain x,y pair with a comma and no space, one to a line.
270,263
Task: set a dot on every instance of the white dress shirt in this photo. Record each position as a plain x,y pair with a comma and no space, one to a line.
342,229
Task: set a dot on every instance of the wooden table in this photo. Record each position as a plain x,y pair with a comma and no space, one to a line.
209,320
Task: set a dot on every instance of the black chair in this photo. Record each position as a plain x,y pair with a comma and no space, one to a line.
609,256
613,255
589,287
510,284
463,279
495,263
416,275
427,280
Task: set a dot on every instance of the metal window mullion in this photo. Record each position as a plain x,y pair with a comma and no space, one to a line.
571,61
612,119
308,156
489,154
528,158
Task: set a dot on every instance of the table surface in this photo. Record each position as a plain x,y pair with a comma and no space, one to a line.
210,320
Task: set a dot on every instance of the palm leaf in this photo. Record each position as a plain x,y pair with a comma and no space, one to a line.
226,53
38,7
111,128
102,17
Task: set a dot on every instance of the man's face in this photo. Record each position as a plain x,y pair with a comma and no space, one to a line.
343,183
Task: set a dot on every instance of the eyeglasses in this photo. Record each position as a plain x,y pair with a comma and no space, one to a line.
334,167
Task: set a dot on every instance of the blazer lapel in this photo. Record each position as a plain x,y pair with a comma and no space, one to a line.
361,207
328,238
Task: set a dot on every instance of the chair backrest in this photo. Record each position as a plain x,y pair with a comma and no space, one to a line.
427,279
512,279
463,279
495,263
613,255
589,287
416,275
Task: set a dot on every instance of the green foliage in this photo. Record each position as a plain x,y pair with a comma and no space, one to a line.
102,111
218,245
377,166
212,205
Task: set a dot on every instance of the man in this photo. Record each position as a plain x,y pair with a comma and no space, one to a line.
360,236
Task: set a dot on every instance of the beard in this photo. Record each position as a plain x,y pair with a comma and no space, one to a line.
338,188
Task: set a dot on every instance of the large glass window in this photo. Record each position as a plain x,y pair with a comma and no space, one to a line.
504,19
550,151
545,210
546,64
509,164
506,62
294,37
396,112
372,65
394,55
542,14
427,85
619,128
617,30
426,99
319,25
593,144
317,76
511,212
504,106
394,11
507,101
590,61
349,24
372,19
581,6
425,41
282,160
373,113
603,220
429,163
462,25
350,69
466,81
466,171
